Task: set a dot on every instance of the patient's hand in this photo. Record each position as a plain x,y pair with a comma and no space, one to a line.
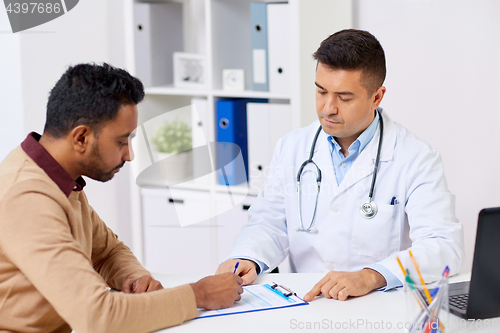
217,291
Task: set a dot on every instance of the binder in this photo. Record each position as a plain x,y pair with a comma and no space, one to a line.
199,121
278,31
153,23
200,135
266,123
231,142
232,151
258,20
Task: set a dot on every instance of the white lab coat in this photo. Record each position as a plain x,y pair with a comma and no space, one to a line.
410,170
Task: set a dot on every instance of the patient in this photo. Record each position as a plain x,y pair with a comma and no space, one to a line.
56,255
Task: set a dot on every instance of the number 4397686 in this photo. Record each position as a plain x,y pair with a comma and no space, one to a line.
33,7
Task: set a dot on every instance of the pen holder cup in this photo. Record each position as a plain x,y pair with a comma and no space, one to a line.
422,315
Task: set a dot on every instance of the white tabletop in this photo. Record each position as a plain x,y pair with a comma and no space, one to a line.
375,312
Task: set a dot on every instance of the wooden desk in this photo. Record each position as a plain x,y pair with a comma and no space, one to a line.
375,312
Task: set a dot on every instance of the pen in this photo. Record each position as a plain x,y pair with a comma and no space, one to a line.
393,201
419,301
435,291
419,297
444,276
436,313
425,308
236,267
425,314
427,294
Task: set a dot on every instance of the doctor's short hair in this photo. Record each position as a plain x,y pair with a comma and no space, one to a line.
353,49
91,95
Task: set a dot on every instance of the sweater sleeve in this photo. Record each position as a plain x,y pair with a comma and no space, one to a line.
112,259
37,238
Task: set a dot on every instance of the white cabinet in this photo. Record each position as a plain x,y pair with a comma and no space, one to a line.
184,234
176,249
167,207
229,225
221,31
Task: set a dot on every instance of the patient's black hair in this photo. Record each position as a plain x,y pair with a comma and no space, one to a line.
89,94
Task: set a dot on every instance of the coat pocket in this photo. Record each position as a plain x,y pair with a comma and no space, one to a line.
379,236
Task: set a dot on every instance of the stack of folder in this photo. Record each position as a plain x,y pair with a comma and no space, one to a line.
270,47
249,128
232,140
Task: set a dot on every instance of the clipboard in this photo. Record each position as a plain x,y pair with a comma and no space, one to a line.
258,297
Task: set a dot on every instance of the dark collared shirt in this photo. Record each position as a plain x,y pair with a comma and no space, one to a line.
48,164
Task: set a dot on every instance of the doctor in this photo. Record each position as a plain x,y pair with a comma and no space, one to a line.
369,190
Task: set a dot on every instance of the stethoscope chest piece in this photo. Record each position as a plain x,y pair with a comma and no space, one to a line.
369,209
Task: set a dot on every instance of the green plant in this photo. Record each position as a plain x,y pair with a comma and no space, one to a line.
173,137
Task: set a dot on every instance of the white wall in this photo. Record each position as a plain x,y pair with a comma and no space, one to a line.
315,26
36,58
443,83
11,123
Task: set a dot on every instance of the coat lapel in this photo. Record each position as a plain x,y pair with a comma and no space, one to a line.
364,165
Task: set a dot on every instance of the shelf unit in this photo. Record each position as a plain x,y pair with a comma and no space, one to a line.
220,29
172,91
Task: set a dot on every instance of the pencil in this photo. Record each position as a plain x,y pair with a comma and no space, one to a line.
401,266
426,291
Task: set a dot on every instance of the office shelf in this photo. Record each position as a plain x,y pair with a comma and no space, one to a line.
173,91
250,94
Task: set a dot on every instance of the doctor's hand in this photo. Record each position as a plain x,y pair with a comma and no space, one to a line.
143,284
247,269
217,291
340,285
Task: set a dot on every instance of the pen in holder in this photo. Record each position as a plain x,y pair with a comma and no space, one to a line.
426,304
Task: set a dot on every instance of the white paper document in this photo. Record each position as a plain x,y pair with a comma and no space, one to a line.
258,297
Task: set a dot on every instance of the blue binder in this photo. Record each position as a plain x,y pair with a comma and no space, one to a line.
260,66
232,147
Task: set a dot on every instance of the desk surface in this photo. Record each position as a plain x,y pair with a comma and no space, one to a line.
375,312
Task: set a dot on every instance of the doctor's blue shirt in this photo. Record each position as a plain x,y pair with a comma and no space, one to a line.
342,164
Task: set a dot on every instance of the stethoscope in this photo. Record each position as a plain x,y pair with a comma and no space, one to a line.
368,208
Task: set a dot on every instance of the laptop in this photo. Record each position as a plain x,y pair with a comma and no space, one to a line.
479,298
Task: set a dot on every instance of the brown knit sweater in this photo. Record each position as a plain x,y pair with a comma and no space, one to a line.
57,257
